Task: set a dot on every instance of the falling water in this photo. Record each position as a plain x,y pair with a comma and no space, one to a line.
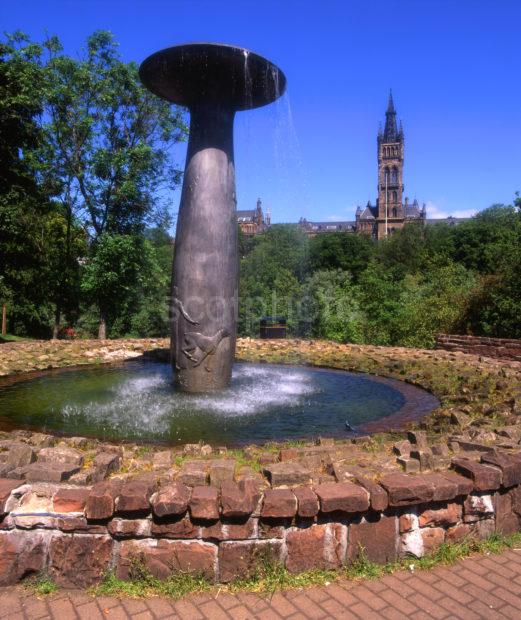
248,82
269,156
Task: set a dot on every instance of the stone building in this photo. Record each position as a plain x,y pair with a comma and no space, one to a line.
391,211
253,221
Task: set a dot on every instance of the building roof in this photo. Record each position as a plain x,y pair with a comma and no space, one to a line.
369,213
328,226
246,215
412,211
451,221
391,132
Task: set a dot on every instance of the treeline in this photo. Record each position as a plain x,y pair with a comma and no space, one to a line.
85,170
404,290
85,177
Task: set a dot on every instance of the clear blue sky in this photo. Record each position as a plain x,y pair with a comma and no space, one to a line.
454,67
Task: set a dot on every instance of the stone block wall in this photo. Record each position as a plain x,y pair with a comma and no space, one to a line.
77,533
500,348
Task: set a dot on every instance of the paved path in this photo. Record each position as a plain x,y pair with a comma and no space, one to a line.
479,587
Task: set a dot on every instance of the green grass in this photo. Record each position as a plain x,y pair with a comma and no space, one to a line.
13,338
143,584
41,585
267,576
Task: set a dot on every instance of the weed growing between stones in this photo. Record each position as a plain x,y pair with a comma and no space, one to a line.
267,576
41,585
144,584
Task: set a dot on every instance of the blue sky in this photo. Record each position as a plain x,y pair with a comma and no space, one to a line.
454,67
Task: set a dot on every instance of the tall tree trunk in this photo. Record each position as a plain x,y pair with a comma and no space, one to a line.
57,319
102,329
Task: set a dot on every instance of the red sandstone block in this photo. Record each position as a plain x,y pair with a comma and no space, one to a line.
179,528
342,496
441,517
484,477
229,530
73,524
318,546
288,454
100,501
166,557
379,499
22,553
129,528
307,502
405,490
134,498
464,485
70,500
279,504
239,559
171,500
375,537
239,500
6,487
510,467
443,489
204,503
432,537
79,561
507,521
457,533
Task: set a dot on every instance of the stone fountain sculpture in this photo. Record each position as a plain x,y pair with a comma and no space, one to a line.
213,81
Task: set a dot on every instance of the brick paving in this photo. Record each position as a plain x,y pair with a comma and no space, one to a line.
478,587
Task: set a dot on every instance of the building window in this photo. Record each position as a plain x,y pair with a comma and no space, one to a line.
394,176
395,212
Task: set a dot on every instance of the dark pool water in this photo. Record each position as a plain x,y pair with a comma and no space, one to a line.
136,401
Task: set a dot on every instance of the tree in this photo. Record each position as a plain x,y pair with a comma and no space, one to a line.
330,307
339,250
402,252
119,276
430,303
108,144
483,243
24,205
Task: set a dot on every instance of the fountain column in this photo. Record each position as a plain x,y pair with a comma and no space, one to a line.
213,81
205,272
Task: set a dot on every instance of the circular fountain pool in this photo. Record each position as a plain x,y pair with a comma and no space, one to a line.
265,402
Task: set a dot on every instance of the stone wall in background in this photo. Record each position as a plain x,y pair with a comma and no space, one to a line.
499,348
77,533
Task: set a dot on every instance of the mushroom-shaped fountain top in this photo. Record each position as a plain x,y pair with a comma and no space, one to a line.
211,73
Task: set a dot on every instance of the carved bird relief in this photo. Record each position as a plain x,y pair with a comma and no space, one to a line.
197,347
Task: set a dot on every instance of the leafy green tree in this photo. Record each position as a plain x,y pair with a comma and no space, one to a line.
330,307
430,303
402,252
339,250
24,206
270,278
483,243
246,243
120,277
108,143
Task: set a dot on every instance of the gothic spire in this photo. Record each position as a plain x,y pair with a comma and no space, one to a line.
391,130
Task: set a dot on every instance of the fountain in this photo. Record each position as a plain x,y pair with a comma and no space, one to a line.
213,81
258,402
